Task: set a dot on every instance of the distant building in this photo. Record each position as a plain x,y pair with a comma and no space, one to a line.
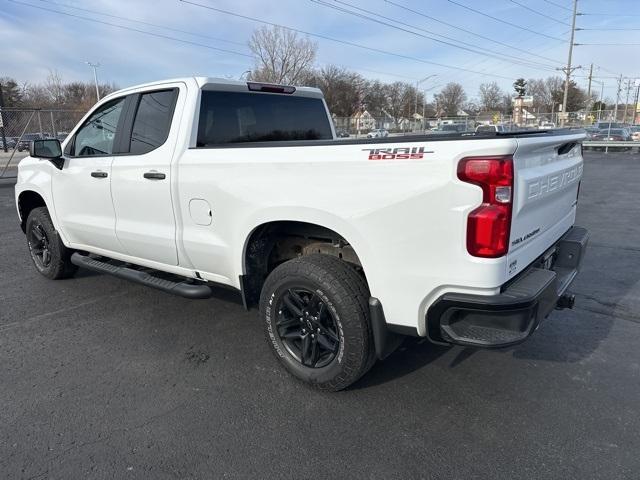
362,120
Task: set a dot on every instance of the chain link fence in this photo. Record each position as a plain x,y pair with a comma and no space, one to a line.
364,124
18,127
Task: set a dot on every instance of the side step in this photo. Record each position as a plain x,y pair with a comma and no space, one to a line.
183,289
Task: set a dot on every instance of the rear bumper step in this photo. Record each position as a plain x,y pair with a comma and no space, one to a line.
183,288
511,316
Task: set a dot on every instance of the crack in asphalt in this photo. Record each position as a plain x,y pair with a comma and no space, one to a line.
44,316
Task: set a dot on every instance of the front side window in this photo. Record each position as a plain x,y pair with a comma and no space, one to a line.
153,121
97,135
238,117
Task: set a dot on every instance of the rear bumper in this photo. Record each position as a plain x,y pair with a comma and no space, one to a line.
511,316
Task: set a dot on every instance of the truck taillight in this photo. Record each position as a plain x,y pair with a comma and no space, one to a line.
489,225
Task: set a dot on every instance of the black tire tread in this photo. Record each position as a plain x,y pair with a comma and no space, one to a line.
350,291
61,266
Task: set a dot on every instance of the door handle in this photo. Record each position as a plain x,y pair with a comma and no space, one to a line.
99,174
153,175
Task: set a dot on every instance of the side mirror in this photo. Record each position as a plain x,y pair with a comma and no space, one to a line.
49,149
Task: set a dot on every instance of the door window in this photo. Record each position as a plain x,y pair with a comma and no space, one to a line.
96,137
153,121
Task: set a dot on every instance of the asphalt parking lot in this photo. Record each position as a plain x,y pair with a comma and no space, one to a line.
101,378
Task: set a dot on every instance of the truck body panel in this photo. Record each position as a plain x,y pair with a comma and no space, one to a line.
397,201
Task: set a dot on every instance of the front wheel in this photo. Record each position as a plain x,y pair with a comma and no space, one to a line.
316,319
50,257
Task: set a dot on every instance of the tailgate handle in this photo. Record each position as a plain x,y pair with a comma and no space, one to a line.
566,148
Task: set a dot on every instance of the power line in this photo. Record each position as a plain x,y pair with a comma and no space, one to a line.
73,7
343,42
591,14
504,21
395,25
159,35
558,5
610,29
608,44
469,31
539,13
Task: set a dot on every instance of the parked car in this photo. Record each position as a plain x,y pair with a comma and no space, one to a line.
547,125
10,143
613,135
342,134
635,133
448,129
378,133
344,246
591,132
27,138
601,125
491,129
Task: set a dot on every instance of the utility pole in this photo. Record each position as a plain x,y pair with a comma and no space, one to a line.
615,109
635,102
626,101
568,70
95,77
4,139
418,82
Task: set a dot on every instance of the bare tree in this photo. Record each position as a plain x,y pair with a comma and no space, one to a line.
54,87
343,90
490,96
450,99
281,56
540,93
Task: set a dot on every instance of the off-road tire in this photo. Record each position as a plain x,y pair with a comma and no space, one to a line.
59,265
345,296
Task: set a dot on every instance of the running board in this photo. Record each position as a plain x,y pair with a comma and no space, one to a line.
183,289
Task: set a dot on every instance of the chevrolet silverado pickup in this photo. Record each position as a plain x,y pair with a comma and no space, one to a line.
345,247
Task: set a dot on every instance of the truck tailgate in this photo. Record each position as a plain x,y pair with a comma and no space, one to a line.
547,175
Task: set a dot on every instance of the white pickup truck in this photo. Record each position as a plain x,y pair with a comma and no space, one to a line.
346,246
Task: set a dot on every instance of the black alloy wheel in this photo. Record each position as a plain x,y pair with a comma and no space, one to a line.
39,245
307,328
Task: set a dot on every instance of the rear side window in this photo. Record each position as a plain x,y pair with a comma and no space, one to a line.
152,121
237,117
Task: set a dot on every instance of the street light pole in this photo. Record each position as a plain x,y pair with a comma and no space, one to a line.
418,82
95,77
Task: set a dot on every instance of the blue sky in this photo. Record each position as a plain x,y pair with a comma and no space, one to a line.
36,40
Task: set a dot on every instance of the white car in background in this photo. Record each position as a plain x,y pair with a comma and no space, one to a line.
547,125
378,133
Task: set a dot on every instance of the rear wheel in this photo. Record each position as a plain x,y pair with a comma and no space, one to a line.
50,257
316,319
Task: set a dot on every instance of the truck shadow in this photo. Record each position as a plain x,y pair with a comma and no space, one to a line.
566,337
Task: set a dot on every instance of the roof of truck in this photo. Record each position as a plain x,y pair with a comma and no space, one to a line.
223,84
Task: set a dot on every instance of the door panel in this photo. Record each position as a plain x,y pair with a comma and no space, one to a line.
82,190
83,202
141,180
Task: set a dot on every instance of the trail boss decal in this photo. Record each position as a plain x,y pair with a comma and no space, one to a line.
400,153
